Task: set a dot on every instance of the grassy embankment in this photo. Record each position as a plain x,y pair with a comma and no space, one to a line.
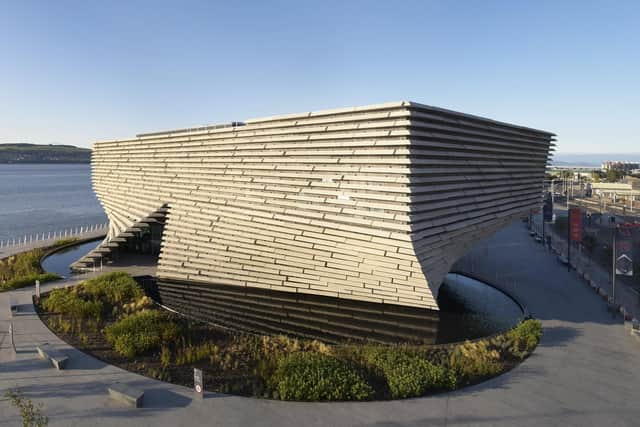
23,269
110,317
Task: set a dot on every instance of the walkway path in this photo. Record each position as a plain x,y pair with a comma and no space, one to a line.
40,242
625,294
584,373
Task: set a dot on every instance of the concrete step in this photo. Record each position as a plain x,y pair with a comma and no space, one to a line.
126,394
57,358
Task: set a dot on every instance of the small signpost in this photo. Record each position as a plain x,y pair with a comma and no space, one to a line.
624,266
198,383
547,213
622,252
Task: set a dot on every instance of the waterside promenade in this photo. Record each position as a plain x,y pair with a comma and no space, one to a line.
626,295
13,246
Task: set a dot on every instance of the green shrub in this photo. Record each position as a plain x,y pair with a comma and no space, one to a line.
65,241
165,356
20,266
524,337
407,374
189,354
140,304
29,280
142,332
86,305
314,376
475,359
68,301
113,289
99,296
278,345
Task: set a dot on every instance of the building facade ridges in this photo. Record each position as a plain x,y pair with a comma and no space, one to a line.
372,203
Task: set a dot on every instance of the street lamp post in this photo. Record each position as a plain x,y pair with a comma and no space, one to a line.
571,187
613,264
568,238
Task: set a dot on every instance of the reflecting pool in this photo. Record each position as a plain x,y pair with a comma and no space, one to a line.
59,262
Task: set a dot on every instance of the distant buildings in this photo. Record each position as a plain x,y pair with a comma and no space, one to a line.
630,189
625,167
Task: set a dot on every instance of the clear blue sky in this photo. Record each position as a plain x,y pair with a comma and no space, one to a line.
77,72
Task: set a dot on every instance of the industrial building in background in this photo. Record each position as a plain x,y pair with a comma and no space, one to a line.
622,166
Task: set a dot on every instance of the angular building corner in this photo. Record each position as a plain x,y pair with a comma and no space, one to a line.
371,203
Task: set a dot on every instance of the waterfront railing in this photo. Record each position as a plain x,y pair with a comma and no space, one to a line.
37,239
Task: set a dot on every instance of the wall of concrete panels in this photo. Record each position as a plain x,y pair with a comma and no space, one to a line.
370,203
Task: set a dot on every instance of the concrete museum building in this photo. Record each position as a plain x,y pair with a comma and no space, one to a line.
332,212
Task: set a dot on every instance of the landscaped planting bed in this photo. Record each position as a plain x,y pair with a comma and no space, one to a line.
23,269
110,318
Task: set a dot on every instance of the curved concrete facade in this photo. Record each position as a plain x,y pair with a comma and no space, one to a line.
370,203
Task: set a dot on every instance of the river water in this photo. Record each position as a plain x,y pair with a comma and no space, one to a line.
38,198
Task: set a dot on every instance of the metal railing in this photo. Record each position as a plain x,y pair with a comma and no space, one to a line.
34,239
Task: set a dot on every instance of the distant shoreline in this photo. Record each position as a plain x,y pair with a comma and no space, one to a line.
45,162
43,154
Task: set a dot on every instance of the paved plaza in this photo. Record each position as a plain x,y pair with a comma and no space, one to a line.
584,373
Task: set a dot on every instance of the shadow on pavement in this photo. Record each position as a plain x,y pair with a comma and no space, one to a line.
554,336
155,396
24,365
161,398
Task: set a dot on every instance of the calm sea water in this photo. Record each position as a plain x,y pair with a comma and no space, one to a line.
42,198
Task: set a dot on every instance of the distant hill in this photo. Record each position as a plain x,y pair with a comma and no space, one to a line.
33,153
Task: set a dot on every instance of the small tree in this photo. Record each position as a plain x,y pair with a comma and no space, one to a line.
596,176
614,175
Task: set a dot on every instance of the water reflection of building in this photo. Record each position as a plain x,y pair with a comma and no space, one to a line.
367,204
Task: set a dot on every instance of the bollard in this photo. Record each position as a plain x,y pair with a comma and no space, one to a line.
38,288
